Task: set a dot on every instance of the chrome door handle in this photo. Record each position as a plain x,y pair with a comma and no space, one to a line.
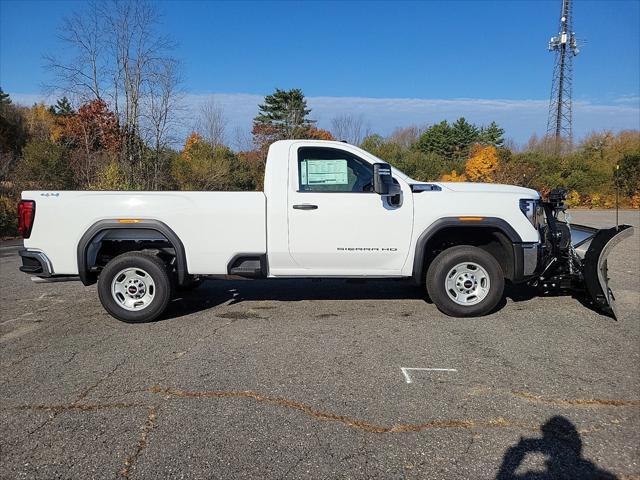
305,206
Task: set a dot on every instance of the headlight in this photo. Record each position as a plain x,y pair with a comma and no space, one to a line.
532,210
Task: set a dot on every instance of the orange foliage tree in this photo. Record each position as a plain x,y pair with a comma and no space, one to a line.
94,135
453,177
483,164
192,140
94,127
313,133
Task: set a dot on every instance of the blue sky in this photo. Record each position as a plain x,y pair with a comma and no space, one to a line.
394,63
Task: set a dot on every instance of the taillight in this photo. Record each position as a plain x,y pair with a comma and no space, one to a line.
26,214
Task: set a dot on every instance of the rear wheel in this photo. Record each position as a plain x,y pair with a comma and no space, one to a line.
135,287
465,281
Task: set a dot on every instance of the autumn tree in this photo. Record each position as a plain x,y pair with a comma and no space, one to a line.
190,143
482,164
314,133
453,177
283,115
95,127
202,166
96,139
40,122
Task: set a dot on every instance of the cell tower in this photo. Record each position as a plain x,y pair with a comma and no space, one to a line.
565,46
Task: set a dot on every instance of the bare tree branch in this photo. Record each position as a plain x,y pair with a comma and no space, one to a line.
349,128
407,136
116,50
212,123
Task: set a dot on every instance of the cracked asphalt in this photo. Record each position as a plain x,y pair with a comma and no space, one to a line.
302,379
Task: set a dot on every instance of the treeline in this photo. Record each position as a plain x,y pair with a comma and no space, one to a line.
59,147
114,128
459,152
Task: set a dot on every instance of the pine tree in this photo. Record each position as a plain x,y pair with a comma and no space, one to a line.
62,108
492,135
4,98
464,134
453,141
437,139
282,116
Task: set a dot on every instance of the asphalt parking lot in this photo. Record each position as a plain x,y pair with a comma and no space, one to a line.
302,379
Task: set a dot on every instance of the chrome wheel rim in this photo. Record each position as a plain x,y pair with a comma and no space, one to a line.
133,289
467,283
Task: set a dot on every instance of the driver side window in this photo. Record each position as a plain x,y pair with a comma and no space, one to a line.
332,170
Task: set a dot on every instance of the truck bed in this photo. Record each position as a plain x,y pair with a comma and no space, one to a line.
213,226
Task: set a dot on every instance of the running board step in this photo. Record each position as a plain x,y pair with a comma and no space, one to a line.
250,266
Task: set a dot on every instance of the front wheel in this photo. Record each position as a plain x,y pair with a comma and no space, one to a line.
465,281
135,287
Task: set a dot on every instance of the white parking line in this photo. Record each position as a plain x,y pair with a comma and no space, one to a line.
405,371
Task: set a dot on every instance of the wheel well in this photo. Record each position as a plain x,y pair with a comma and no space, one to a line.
107,240
490,239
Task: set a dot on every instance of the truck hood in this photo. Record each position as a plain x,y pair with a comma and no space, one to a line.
467,187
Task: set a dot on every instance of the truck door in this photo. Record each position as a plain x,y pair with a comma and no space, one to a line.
337,224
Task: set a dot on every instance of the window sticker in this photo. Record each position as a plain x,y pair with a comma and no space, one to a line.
324,172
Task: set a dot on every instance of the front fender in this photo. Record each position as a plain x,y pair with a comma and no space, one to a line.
495,223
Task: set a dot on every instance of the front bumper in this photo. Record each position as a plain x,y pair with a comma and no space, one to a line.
36,263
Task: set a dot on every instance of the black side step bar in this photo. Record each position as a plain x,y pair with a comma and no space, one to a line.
248,265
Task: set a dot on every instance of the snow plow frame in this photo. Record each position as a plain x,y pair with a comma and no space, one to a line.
574,257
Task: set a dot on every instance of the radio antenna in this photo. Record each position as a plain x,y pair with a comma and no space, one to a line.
565,46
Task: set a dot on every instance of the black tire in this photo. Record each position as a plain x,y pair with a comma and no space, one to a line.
149,264
443,264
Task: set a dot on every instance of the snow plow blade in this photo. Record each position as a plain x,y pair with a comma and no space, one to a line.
593,246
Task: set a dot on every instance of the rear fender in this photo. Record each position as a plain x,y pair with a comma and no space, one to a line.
88,244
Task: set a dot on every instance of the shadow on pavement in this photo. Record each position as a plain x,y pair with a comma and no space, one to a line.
217,292
562,446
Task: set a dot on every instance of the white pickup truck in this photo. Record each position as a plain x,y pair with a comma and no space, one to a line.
328,210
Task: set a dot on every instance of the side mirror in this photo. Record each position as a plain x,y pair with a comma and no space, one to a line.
383,183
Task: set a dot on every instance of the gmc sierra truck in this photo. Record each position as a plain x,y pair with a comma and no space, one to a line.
328,210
